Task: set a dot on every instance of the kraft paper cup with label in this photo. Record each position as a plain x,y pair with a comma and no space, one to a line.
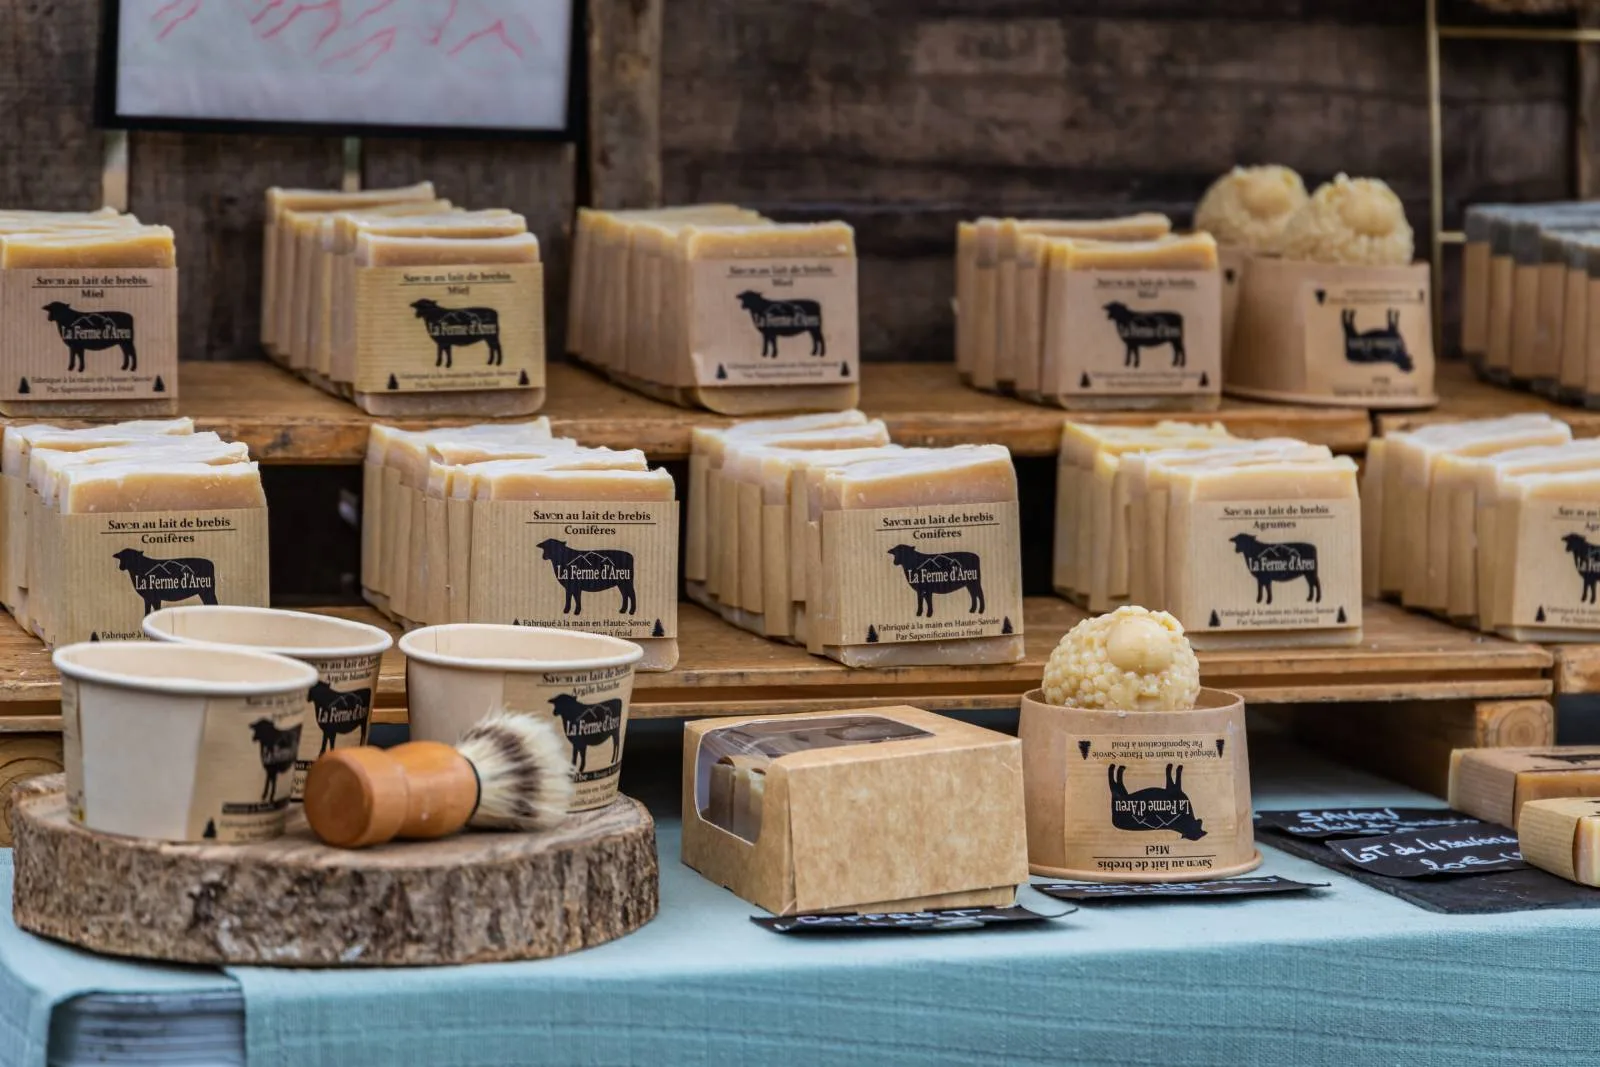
1138,796
457,674
180,742
346,654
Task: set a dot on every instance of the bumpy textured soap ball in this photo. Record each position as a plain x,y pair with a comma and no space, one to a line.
1351,220
1248,207
1131,660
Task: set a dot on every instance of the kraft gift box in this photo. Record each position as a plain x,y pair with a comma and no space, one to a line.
881,809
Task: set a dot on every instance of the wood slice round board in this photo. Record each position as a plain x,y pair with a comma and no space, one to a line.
477,897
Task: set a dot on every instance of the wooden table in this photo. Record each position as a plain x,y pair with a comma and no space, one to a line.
285,421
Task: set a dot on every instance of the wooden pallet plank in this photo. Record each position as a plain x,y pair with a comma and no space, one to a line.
1404,657
286,421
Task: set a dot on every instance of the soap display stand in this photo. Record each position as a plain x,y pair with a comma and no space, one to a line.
1138,796
477,897
1270,356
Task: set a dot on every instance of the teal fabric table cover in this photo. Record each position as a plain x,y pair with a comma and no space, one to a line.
1343,977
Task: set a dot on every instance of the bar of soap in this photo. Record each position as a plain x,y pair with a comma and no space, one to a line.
375,250
1248,207
1563,837
1493,784
159,486
143,246
945,580
44,472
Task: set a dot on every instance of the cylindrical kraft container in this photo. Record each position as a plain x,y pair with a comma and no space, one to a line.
345,653
180,742
1138,796
457,674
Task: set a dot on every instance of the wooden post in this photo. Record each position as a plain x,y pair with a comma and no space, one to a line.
624,103
1586,109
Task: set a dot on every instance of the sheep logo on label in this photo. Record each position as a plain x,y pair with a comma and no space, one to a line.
1385,345
1585,557
1164,807
91,331
940,572
1281,562
589,724
158,580
1147,329
784,318
591,570
340,712
278,750
451,328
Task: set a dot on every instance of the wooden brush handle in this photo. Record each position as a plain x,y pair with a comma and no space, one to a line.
355,797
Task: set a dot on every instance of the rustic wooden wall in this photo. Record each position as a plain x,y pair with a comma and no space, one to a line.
900,116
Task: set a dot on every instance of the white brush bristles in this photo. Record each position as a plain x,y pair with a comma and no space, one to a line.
524,772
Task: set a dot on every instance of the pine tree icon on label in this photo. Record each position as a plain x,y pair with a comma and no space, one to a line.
1341,616
392,383
94,635
1214,621
211,830
722,372
160,385
872,634
1205,379
1005,627
23,388
1083,382
1083,749
1540,616
844,370
1221,743
522,379
658,630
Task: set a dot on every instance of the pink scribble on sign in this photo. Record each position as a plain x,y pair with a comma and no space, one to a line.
352,36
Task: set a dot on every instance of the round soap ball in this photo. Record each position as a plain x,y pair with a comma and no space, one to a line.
1133,659
1351,220
1248,207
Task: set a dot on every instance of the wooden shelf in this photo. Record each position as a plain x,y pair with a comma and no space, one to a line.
286,421
726,671
1463,396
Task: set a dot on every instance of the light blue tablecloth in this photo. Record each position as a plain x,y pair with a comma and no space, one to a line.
1347,977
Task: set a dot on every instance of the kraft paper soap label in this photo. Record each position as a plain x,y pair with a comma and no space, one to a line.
341,706
607,566
89,334
1141,804
1370,337
1259,565
931,573
1139,332
246,767
774,321
1556,580
446,329
105,572
590,709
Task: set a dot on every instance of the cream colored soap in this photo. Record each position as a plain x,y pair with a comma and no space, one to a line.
1562,836
969,475
1579,489
164,486
150,247
707,445
1495,784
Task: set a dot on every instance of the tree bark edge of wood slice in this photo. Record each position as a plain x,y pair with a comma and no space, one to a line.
477,897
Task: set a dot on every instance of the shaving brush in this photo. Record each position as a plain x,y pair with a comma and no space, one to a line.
507,772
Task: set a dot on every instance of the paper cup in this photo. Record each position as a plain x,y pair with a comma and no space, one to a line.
180,742
1137,796
457,674
345,653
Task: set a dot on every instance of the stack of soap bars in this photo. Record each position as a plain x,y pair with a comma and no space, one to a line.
318,244
430,556
1491,522
87,330
714,306
1218,530
763,552
177,516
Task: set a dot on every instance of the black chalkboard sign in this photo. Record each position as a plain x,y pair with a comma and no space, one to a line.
1468,849
1328,823
936,921
1129,891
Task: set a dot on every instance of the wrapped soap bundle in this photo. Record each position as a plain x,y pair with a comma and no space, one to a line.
713,306
920,783
503,523
1218,530
90,303
1486,522
104,526
404,302
1526,287
1336,312
1131,770
1246,210
1089,313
